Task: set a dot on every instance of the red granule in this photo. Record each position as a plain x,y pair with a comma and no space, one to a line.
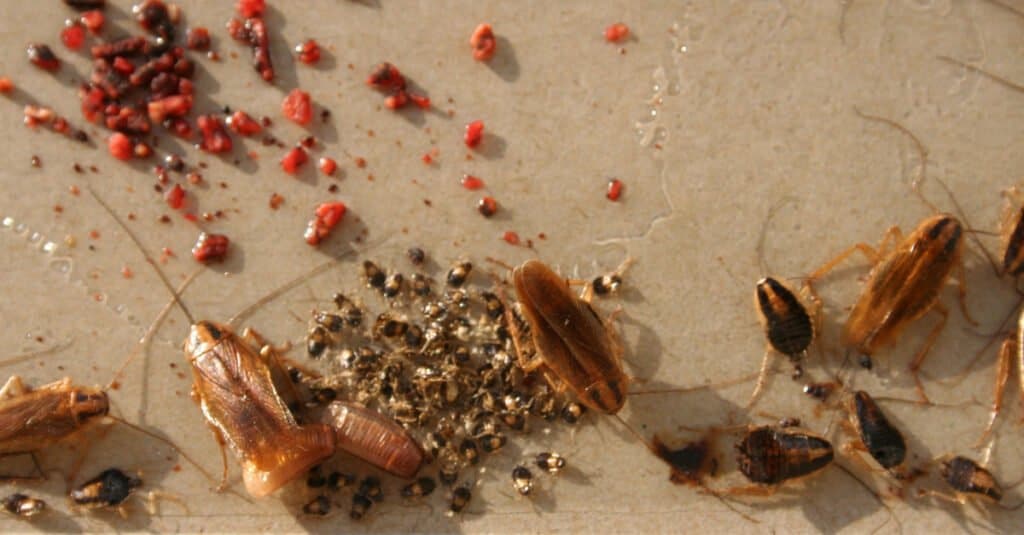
386,77
198,38
308,52
254,33
127,272
328,215
396,101
474,133
93,20
487,206
360,162
194,178
616,32
243,124
120,146
215,137
94,234
41,56
427,158
614,189
483,42
73,35
172,106
511,237
297,107
123,66
6,85
210,247
471,182
419,100
294,159
251,8
328,166
74,190
175,197
142,150
276,200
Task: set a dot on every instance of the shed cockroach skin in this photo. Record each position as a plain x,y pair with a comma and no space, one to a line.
879,437
32,419
902,287
788,327
968,478
374,438
236,393
770,456
572,342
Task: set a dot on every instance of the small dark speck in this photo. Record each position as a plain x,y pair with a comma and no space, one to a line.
428,202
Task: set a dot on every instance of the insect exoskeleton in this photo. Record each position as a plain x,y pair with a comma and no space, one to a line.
903,286
34,418
573,344
769,456
375,438
788,326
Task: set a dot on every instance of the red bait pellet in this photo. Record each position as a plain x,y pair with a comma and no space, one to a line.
243,124
73,35
210,247
471,182
487,206
616,33
328,215
120,146
293,160
297,107
614,189
474,133
41,56
328,166
308,52
483,42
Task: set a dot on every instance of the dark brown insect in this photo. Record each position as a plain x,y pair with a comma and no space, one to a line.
820,391
689,464
969,480
422,487
769,456
877,435
459,500
573,344
1011,231
788,327
375,438
375,277
360,506
393,285
318,506
903,286
522,480
550,462
109,489
1009,351
458,274
22,505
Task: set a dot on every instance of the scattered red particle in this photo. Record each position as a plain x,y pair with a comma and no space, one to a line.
94,234
172,106
41,56
194,178
511,237
328,215
328,166
427,158
297,107
243,124
215,137
487,206
123,66
309,142
474,133
471,182
360,162
293,160
308,52
93,20
6,85
483,42
58,208
396,101
73,189
251,8
210,247
198,38
616,32
127,272
419,100
120,146
175,197
276,200
73,35
386,77
254,33
142,150
614,189
165,253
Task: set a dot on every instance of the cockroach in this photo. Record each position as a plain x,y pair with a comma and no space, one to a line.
21,505
109,490
1011,232
374,438
769,456
234,387
903,286
420,284
458,274
522,480
877,436
788,327
374,276
360,506
550,462
420,488
370,487
459,500
689,464
318,506
969,480
393,285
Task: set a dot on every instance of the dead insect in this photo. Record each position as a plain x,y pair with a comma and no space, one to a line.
33,419
22,505
370,487
373,275
572,412
469,451
318,506
110,489
574,345
787,325
360,506
459,500
374,438
389,327
316,478
768,456
1012,232
393,285
494,307
522,480
458,274
416,256
316,341
422,487
332,322
689,464
968,479
448,473
550,462
903,286
877,435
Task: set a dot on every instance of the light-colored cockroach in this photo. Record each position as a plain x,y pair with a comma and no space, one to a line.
374,438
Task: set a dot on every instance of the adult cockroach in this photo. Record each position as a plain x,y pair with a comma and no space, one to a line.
374,438
233,385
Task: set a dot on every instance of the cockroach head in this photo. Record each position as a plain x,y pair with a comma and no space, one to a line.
88,403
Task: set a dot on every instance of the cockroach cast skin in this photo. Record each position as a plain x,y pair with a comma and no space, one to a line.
234,388
374,438
32,419
572,341
770,456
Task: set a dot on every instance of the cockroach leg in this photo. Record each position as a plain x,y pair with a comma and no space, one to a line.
1006,353
762,378
915,365
13,387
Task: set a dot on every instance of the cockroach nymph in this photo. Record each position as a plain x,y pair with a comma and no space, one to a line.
459,500
422,487
109,489
360,506
318,506
393,285
550,462
420,285
22,505
522,480
968,479
788,327
459,273
374,276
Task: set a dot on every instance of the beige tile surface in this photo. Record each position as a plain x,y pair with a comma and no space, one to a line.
712,113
